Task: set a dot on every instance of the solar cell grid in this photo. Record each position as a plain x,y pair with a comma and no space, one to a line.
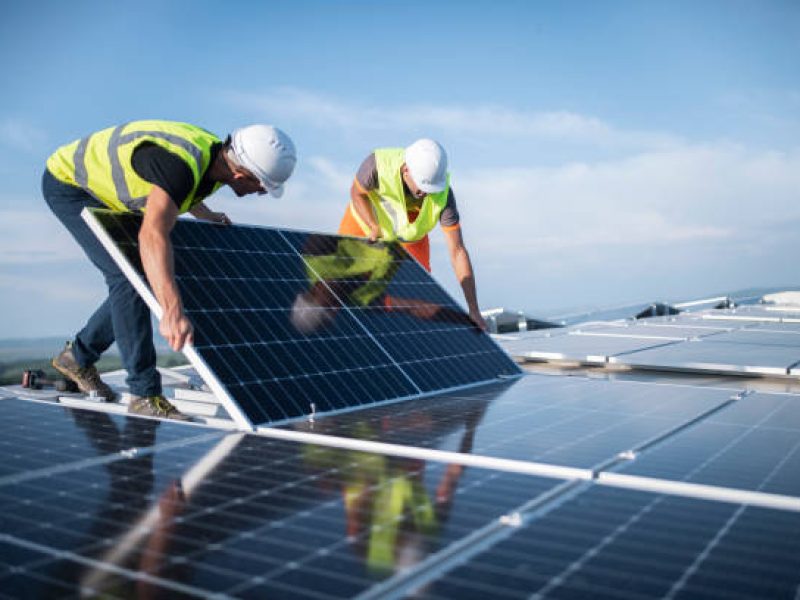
289,323
266,517
753,444
575,422
622,544
24,452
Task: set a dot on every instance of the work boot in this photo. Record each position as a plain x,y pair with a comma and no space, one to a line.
155,406
86,378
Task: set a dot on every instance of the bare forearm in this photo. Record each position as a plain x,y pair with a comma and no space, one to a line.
155,249
157,259
462,265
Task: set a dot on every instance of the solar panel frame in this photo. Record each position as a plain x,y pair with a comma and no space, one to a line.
197,361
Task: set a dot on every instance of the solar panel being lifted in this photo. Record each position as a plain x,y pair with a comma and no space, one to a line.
291,323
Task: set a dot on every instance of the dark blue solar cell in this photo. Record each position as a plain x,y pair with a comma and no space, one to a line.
753,443
623,544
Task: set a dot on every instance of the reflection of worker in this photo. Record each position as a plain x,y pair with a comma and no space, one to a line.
401,194
167,168
357,273
131,485
391,517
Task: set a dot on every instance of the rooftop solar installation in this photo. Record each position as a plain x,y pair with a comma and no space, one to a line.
753,443
607,543
751,340
481,484
580,423
652,490
644,329
24,454
722,357
267,518
289,324
577,346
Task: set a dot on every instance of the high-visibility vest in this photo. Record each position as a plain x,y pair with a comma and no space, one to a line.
389,201
354,259
101,162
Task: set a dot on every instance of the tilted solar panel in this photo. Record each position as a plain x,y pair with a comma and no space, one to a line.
290,323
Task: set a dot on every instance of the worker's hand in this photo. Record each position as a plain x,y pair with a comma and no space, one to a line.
176,329
477,318
218,217
374,233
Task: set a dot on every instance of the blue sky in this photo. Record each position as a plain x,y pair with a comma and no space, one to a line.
601,152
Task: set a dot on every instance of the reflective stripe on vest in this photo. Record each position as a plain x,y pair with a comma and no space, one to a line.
389,201
106,173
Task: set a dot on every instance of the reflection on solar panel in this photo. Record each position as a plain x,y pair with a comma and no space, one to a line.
239,515
688,491
578,423
289,324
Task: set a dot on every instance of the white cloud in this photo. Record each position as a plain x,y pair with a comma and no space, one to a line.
55,288
29,237
21,134
687,194
497,121
315,199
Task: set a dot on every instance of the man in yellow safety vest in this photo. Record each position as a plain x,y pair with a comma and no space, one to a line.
401,194
164,169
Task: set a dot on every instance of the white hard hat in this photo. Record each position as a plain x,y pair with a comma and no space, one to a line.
308,316
427,162
267,152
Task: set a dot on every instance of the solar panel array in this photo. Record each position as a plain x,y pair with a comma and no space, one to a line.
544,486
743,341
289,324
652,490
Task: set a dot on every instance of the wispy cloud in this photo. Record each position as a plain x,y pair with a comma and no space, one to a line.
712,194
34,236
328,113
21,134
58,288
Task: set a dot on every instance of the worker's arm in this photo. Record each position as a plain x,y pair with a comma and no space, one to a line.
155,248
459,257
202,212
363,207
